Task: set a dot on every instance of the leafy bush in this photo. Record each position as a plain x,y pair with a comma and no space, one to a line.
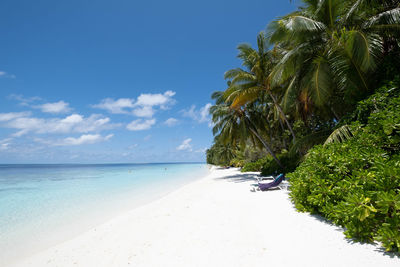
271,167
257,165
268,166
356,184
236,162
378,101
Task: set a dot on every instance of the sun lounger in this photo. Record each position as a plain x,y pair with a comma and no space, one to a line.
275,183
262,178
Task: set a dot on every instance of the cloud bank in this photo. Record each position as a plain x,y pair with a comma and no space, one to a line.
144,106
75,123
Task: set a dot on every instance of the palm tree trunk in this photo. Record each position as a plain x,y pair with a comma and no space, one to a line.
283,114
266,146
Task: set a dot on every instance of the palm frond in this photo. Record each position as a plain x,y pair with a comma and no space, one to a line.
286,67
292,26
290,95
308,141
321,81
363,49
339,135
230,74
353,9
218,96
389,17
245,97
243,77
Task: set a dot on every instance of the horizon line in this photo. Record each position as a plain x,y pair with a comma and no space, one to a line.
109,163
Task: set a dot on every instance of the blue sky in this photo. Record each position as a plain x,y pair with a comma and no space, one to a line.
117,81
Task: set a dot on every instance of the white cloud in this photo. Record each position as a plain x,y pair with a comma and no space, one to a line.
56,107
145,105
4,144
52,107
74,123
201,115
72,141
24,101
190,113
19,133
171,122
205,113
139,125
185,145
7,75
162,100
146,111
13,115
86,139
118,106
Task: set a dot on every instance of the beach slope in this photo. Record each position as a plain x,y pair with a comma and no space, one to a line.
215,221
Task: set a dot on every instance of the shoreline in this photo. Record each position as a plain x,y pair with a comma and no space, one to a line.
213,221
77,216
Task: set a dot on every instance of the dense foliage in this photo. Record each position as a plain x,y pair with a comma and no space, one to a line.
304,77
289,161
306,94
268,166
356,183
257,165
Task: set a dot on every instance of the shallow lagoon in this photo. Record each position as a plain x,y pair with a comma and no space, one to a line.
41,205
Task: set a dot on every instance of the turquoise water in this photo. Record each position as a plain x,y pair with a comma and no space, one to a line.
41,205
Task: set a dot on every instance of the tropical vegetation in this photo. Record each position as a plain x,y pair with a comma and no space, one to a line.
356,183
318,98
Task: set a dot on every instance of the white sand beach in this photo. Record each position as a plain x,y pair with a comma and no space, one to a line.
215,221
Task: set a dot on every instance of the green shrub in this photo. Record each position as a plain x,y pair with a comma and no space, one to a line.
356,184
268,166
236,162
271,167
255,166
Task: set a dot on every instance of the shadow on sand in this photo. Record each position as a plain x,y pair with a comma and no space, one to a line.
239,178
252,177
377,246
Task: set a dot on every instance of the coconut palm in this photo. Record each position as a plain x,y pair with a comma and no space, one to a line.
247,85
330,48
220,154
236,125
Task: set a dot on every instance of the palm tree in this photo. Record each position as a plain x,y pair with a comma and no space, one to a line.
246,85
330,48
236,125
220,154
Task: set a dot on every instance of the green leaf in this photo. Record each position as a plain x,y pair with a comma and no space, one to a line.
364,214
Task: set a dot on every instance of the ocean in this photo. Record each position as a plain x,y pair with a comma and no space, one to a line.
42,205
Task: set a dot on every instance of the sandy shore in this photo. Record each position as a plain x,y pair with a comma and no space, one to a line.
215,221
